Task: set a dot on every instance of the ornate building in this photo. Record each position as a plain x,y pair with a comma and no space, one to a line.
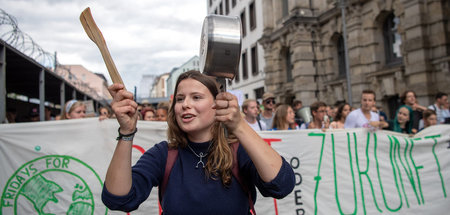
393,46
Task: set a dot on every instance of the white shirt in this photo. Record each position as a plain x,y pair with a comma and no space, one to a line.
356,119
255,125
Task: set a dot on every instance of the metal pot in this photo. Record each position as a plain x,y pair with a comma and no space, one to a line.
220,46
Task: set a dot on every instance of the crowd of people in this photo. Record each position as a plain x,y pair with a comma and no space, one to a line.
410,117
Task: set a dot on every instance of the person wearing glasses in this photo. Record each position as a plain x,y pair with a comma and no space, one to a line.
269,106
320,118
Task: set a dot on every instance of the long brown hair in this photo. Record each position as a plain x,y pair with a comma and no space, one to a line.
279,120
220,159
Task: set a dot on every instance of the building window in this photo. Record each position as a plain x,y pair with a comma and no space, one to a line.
288,64
210,3
254,53
233,3
244,25
215,11
221,8
392,39
259,92
285,8
227,7
244,65
252,14
341,57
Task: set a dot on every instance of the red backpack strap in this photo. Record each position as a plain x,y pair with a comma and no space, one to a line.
172,155
235,172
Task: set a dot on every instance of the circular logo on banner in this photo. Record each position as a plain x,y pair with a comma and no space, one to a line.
53,184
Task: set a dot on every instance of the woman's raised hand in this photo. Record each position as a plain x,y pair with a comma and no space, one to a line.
227,110
124,107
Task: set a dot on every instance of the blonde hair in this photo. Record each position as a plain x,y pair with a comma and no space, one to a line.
70,106
220,159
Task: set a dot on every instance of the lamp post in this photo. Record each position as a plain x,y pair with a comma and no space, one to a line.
343,4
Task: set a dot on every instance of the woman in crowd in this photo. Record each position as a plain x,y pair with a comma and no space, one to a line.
148,114
105,113
74,110
201,179
401,123
429,118
341,114
284,118
409,98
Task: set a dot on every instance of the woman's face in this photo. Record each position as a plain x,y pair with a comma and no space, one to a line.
431,120
410,99
161,114
149,116
345,111
77,113
193,109
104,112
403,115
290,117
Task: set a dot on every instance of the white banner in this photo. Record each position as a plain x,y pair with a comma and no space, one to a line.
58,167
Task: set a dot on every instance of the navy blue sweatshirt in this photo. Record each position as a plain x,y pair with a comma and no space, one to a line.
189,191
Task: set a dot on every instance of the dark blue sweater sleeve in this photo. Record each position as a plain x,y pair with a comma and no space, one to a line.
146,174
278,188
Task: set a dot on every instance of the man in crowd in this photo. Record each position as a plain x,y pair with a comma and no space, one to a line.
296,106
443,114
269,107
364,117
250,110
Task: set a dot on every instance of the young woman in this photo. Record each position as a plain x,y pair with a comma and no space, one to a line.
105,113
402,122
341,114
74,110
196,121
429,118
284,118
148,114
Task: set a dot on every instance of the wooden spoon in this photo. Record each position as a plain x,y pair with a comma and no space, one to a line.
96,36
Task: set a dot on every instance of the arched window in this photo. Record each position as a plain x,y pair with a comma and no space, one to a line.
341,57
392,40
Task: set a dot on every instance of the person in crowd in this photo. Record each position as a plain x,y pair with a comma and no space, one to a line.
161,111
363,117
443,114
342,112
331,113
49,115
33,115
401,123
409,98
296,106
11,115
269,107
104,112
149,114
203,168
250,110
74,109
319,117
284,118
429,118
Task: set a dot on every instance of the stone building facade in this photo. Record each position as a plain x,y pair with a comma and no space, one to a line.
393,46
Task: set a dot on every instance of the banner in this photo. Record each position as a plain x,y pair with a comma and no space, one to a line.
58,167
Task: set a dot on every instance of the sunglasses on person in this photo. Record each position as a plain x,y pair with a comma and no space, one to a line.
268,101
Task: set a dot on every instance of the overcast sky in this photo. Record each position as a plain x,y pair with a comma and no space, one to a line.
143,36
